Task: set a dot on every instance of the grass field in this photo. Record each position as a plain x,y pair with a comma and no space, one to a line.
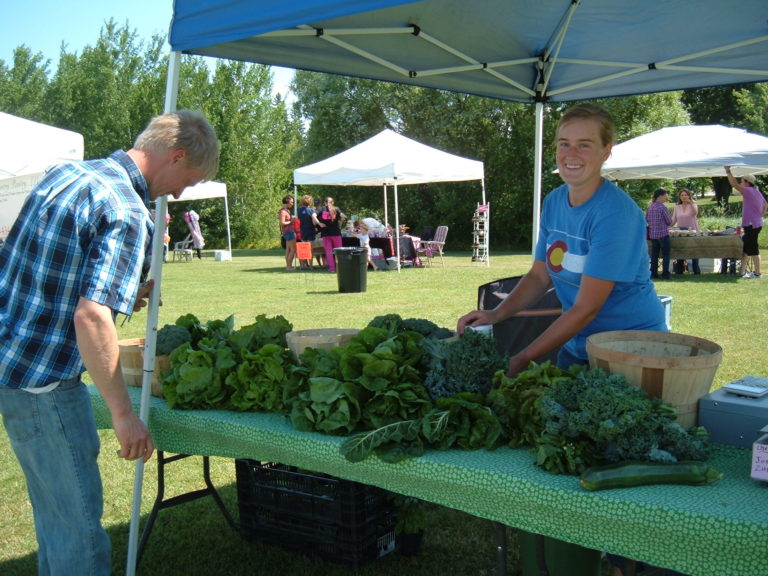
194,539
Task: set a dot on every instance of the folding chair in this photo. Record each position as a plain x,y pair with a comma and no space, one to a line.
183,250
429,248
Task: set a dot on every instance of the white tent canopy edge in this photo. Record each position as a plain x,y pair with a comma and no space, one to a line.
27,150
693,151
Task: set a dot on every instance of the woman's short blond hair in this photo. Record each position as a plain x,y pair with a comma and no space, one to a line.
589,111
307,200
186,130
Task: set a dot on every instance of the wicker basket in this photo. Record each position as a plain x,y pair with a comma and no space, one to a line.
321,338
132,364
677,368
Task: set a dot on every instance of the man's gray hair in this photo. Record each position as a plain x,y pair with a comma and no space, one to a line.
187,130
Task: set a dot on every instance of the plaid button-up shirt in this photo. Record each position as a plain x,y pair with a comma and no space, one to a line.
84,231
659,220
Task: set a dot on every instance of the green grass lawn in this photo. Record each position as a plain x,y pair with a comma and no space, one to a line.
194,539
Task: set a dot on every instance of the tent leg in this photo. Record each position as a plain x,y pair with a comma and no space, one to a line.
537,175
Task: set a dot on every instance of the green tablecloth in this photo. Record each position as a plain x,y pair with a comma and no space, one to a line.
714,530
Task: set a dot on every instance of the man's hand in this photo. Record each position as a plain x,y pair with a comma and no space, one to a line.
134,438
142,296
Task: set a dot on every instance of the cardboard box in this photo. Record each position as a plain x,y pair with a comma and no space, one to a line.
731,419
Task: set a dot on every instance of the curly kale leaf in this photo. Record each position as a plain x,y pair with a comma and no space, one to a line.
466,364
596,418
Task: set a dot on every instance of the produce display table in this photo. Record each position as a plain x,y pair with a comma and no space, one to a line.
688,247
705,531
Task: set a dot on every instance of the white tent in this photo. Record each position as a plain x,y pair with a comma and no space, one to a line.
27,149
390,159
688,152
203,191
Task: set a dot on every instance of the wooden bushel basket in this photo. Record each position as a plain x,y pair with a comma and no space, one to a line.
320,338
677,368
132,364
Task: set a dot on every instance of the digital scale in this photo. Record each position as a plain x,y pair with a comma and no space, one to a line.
751,386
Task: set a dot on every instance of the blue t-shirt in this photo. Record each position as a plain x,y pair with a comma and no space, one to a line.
603,238
307,226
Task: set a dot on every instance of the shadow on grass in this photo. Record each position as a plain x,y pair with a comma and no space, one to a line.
195,539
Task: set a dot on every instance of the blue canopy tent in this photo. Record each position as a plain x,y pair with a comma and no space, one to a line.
517,50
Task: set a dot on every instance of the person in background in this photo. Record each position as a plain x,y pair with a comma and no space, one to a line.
331,220
659,220
287,230
591,247
752,212
685,216
84,233
361,232
193,223
309,224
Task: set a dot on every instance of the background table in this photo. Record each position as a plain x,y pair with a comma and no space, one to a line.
688,247
714,530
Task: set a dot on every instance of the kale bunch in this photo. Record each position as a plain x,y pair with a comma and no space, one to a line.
596,418
465,364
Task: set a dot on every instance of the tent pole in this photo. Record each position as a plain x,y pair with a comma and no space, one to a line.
537,175
229,234
386,221
397,228
156,266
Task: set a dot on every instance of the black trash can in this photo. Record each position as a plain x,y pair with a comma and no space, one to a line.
351,269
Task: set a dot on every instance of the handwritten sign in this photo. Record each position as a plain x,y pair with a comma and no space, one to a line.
760,459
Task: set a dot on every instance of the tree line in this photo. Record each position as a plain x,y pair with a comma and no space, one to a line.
110,90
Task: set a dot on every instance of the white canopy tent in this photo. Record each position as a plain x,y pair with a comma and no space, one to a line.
27,150
390,159
203,191
688,152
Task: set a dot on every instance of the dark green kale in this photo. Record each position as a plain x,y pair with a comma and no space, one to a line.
464,364
420,325
597,418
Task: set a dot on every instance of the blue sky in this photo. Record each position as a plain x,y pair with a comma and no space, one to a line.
43,25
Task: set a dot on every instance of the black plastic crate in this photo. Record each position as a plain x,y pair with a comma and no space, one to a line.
338,520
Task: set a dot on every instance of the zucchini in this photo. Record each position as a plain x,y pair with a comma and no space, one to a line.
628,474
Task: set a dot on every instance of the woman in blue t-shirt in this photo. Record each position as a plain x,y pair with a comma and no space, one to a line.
591,247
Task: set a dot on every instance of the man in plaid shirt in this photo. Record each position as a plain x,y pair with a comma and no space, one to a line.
659,220
75,257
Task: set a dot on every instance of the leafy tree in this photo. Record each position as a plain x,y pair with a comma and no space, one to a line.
258,139
22,87
93,93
